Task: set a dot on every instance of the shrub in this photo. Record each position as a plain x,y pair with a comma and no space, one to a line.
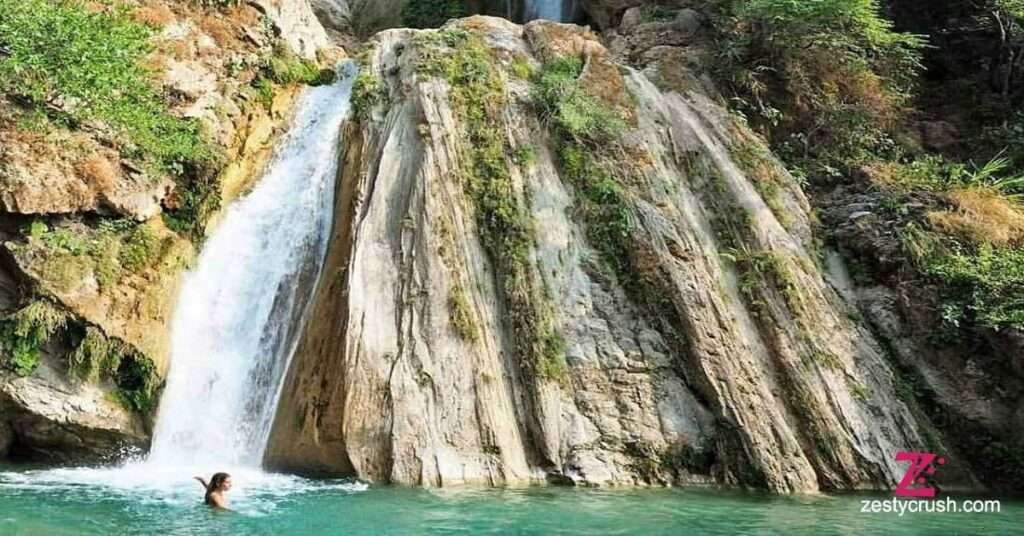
937,174
828,76
982,285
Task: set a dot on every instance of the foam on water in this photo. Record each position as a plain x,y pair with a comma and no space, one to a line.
255,492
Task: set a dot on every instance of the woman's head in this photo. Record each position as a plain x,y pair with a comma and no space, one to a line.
220,482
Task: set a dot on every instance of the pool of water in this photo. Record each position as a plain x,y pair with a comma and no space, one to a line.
150,500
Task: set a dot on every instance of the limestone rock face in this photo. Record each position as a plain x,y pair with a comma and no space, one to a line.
721,354
298,25
346,18
334,15
46,418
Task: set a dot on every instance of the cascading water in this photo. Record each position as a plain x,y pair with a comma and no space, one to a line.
556,10
235,325
236,320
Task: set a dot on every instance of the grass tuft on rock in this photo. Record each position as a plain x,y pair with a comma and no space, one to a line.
585,131
506,227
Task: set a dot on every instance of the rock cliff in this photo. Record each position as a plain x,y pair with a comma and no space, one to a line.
95,234
555,257
546,267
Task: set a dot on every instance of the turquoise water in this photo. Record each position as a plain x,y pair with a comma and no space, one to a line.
92,501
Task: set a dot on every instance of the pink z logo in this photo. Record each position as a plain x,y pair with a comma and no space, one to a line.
920,468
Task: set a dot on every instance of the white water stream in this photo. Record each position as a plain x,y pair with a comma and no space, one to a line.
556,10
236,322
239,311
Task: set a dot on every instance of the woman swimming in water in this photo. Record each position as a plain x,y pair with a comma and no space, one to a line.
216,490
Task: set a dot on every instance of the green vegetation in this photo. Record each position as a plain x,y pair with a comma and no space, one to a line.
984,284
282,67
761,269
760,167
462,315
286,68
78,66
195,201
522,68
506,227
432,13
24,332
585,130
825,78
569,108
937,174
368,91
82,66
66,255
829,82
98,357
657,14
137,383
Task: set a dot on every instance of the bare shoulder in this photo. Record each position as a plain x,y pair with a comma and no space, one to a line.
218,500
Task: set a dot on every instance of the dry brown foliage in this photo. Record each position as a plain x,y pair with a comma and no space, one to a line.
98,171
154,14
982,216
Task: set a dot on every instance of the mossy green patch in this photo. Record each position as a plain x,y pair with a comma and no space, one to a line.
763,171
765,269
584,130
25,331
506,227
284,67
368,91
64,256
99,357
462,315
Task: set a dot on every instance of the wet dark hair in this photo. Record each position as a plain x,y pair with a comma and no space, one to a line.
217,482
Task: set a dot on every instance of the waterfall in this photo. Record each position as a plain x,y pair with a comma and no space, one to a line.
556,10
240,309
